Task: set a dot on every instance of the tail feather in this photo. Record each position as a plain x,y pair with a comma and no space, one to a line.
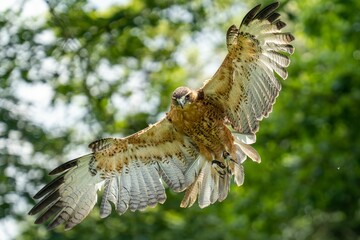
190,195
205,186
224,187
239,174
194,176
249,151
208,185
215,188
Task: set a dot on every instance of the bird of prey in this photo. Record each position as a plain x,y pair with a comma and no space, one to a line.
197,147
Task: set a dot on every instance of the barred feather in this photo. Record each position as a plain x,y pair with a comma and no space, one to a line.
131,169
245,84
131,178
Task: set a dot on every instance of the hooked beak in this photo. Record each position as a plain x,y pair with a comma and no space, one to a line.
180,102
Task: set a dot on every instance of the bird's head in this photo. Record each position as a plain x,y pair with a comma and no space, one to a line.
183,96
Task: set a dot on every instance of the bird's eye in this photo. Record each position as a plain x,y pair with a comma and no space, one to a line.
187,97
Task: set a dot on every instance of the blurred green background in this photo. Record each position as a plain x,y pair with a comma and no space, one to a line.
78,72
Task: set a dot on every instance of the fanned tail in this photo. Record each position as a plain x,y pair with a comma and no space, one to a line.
208,185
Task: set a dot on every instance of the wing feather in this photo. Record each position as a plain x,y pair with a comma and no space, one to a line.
150,188
130,170
134,190
266,11
276,57
245,84
172,175
80,211
124,184
159,188
109,191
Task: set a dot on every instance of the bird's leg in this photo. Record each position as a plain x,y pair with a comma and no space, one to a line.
223,167
219,167
227,157
218,163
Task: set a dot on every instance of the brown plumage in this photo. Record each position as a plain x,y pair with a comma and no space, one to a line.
199,145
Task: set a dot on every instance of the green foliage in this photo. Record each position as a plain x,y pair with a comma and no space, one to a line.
307,184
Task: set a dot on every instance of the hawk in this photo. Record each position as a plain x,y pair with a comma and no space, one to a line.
197,147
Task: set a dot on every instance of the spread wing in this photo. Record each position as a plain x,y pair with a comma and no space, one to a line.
245,85
130,170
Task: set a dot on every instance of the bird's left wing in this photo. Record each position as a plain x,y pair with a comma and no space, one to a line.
245,85
130,170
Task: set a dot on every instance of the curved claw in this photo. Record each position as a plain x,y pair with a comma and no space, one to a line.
227,156
219,167
218,163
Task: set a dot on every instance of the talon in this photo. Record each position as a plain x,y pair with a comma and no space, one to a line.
225,154
218,163
219,167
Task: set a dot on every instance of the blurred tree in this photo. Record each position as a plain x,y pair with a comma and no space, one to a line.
103,63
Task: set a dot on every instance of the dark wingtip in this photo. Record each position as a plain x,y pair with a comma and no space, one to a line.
54,184
272,17
48,214
291,49
291,37
52,225
279,24
64,167
250,15
267,11
45,202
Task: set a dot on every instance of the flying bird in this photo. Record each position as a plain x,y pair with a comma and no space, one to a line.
198,147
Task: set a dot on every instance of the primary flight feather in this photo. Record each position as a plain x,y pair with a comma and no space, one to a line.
199,145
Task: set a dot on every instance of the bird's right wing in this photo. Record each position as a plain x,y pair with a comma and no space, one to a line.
130,170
